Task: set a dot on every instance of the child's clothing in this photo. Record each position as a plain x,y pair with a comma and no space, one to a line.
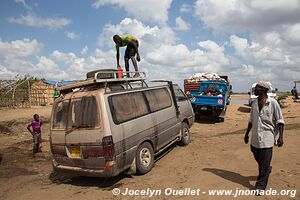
37,139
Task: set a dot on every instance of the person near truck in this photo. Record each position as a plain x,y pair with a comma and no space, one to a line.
56,94
295,92
132,45
266,123
36,132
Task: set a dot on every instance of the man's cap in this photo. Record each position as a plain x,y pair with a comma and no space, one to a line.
263,84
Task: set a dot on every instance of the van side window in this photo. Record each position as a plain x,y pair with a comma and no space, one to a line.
84,113
128,106
158,99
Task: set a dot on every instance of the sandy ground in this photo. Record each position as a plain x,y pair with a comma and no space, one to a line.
216,158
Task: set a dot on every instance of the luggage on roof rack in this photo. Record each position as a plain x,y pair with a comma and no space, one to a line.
104,74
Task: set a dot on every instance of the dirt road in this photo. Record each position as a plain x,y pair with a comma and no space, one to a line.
216,158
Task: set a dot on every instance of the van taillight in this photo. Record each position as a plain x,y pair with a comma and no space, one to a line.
108,147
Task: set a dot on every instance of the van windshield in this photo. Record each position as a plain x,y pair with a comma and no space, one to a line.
75,114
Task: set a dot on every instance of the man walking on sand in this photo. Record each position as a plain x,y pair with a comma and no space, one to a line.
266,122
132,45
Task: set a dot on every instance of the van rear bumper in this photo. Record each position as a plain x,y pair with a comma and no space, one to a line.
107,171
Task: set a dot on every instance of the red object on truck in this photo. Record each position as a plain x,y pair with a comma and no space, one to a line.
120,72
188,86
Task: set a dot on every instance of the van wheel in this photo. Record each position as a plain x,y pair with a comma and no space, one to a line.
144,158
185,131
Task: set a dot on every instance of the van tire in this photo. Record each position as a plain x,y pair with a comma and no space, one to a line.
144,158
186,136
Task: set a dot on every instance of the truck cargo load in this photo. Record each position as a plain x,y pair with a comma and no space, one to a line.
209,94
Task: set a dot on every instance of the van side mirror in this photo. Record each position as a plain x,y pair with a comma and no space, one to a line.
276,89
249,93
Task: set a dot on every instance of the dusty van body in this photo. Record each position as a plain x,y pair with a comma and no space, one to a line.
104,129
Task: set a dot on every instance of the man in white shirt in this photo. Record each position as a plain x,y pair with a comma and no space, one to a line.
266,122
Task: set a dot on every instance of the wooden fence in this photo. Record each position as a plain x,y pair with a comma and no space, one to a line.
25,95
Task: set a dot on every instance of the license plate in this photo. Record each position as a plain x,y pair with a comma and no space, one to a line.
75,152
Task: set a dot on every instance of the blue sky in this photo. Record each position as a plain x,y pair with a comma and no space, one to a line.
249,40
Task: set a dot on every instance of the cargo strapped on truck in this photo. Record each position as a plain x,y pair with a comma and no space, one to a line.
199,77
105,78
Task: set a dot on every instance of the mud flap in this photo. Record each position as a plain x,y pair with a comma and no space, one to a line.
132,169
223,112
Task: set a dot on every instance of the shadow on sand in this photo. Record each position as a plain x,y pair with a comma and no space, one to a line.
244,109
105,183
233,177
207,120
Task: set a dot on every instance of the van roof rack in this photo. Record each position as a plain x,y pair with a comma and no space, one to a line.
105,78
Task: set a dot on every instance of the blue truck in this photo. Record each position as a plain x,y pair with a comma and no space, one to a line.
209,97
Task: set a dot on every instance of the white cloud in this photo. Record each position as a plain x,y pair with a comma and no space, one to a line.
20,48
23,3
239,44
84,50
293,34
150,10
150,38
274,4
66,58
271,45
245,15
259,54
35,21
71,35
161,57
265,62
186,8
6,74
181,24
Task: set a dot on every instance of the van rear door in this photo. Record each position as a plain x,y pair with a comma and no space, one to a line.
84,121
59,122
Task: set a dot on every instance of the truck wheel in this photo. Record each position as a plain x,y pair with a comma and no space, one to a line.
221,119
144,158
185,131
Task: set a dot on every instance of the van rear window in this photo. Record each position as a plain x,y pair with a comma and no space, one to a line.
60,115
128,106
158,99
84,113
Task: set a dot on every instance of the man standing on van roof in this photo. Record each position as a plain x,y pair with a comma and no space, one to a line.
132,45
266,122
